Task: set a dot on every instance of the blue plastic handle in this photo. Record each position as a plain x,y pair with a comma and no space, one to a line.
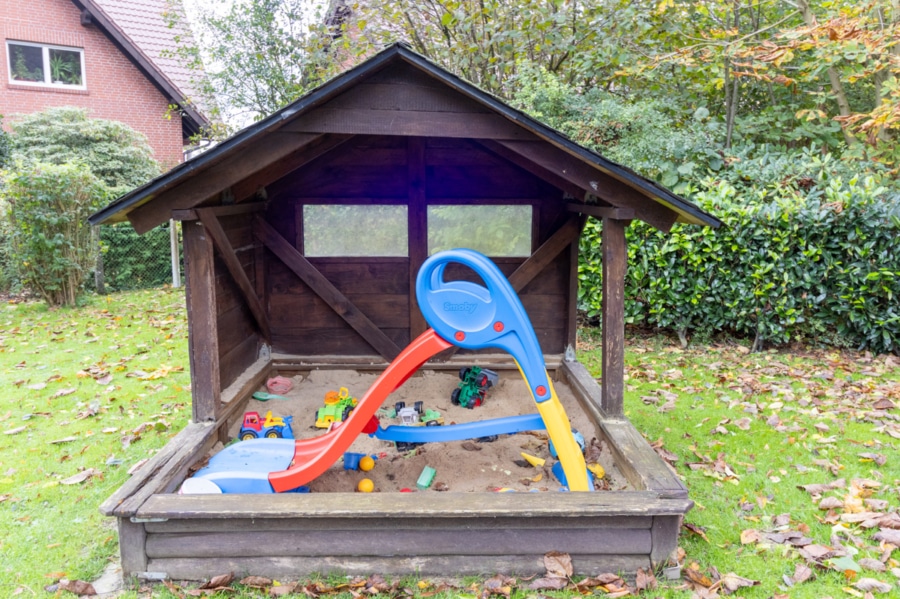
473,316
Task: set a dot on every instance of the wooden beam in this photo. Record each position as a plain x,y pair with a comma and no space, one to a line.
572,299
200,186
226,251
547,175
594,181
545,254
418,228
324,289
203,335
248,187
191,214
409,122
615,258
601,211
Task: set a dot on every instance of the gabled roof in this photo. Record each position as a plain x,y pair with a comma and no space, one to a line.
579,166
139,29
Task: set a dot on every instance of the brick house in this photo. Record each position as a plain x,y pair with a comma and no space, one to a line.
102,55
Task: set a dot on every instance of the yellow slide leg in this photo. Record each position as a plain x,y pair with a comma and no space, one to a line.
567,448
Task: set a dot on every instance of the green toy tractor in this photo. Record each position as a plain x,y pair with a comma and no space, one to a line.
472,389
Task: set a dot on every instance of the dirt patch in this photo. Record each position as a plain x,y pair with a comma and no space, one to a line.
463,466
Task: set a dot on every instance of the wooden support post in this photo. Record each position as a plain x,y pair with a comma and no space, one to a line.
132,550
203,335
418,228
615,257
572,301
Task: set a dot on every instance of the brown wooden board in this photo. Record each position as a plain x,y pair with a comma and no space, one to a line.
333,341
615,259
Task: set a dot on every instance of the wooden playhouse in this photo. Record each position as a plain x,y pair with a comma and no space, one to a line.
274,286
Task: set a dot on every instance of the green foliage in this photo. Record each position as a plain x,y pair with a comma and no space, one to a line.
132,261
5,145
790,265
115,153
48,209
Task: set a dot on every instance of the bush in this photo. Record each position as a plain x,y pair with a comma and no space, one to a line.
792,265
48,209
132,261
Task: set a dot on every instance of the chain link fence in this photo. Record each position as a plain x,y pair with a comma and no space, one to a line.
131,261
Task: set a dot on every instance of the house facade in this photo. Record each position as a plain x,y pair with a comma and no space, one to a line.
107,56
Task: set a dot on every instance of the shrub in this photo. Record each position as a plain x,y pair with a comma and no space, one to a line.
48,209
792,265
132,261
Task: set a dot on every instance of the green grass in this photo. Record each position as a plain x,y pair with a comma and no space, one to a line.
54,367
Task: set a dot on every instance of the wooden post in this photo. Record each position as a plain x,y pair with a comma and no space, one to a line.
203,335
418,227
615,257
132,551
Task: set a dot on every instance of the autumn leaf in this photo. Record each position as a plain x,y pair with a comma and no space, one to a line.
802,573
222,580
732,582
81,477
257,582
78,587
872,585
697,530
749,536
644,579
695,576
558,565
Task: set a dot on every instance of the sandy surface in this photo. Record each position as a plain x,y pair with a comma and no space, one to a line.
466,466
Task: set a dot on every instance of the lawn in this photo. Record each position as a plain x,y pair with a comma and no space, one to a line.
791,457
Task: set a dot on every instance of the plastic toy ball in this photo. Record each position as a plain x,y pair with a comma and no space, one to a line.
365,486
366,463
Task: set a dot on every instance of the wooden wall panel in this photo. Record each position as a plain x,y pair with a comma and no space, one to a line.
344,341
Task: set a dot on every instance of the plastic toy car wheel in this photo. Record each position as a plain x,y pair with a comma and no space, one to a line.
463,372
248,435
399,406
420,407
432,423
346,413
273,435
454,397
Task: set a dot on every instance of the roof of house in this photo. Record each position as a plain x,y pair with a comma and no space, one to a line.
139,28
686,211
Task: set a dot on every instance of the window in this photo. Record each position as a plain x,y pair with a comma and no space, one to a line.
355,230
497,231
37,64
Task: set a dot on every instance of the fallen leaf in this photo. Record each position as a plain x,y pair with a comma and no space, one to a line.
63,392
748,536
256,582
697,577
63,440
281,591
872,564
830,503
697,530
222,580
645,580
732,582
548,584
872,585
78,587
105,380
37,386
558,565
802,572
80,477
15,431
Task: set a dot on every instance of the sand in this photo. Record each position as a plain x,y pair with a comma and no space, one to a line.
462,466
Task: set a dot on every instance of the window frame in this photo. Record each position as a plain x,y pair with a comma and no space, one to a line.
45,65
303,230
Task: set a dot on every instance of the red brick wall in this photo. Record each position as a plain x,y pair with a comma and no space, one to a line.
116,89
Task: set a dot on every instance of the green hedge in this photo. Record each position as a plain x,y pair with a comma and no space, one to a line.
792,266
132,261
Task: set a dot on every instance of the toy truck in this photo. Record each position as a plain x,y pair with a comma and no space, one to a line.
338,405
271,427
472,389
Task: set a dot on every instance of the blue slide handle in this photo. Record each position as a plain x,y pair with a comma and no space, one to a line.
473,316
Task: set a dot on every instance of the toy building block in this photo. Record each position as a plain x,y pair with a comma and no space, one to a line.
338,405
533,460
426,478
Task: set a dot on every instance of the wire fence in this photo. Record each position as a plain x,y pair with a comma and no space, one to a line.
131,261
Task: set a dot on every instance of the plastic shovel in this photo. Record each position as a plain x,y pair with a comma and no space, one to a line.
263,396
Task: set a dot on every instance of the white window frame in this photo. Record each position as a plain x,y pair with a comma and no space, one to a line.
45,55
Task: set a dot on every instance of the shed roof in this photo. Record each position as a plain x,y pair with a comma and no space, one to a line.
140,30
551,151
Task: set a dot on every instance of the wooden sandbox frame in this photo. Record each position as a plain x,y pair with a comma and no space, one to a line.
399,131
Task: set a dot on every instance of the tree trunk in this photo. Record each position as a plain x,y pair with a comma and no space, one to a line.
837,88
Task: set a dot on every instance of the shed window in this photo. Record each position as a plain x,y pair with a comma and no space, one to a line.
354,230
497,231
40,64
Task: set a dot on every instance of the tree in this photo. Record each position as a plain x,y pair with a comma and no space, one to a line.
48,209
114,152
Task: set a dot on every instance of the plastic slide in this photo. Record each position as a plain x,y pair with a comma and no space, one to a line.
473,317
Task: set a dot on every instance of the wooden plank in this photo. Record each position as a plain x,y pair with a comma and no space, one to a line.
203,339
584,386
309,311
132,547
250,186
301,526
291,568
450,506
215,179
547,253
312,277
548,175
615,258
193,435
408,122
370,277
332,341
664,538
483,181
418,228
220,211
595,182
401,96
601,211
421,541
343,182
572,303
226,251
239,358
